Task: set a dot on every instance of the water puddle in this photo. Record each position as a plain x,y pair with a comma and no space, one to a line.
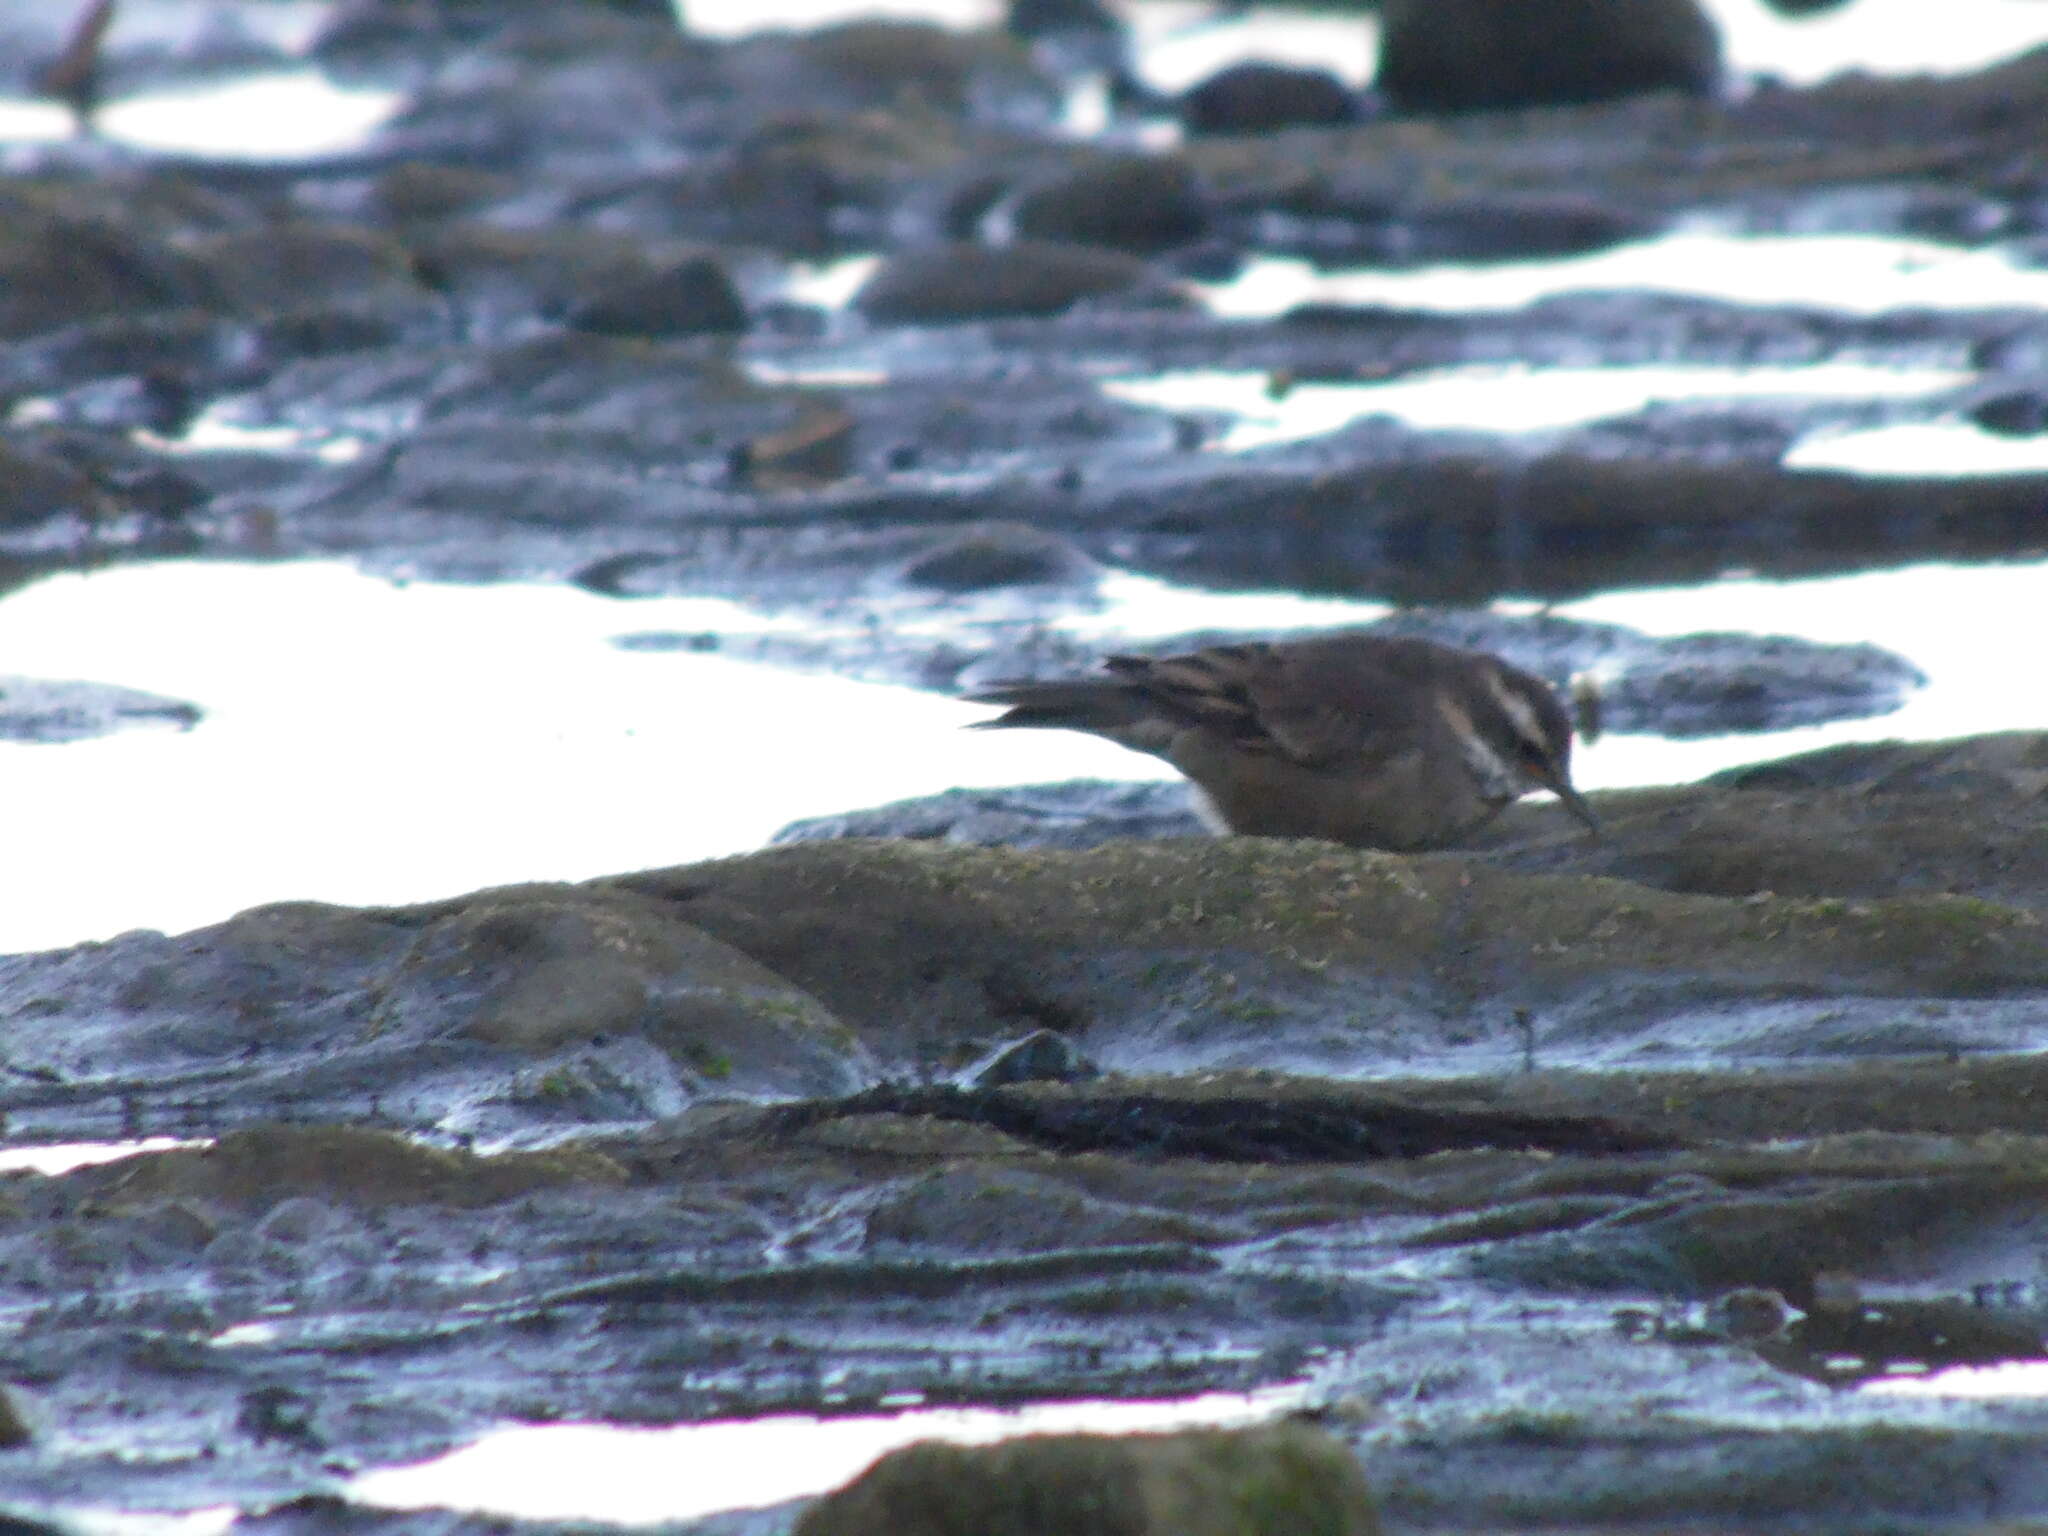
647,1476
1861,274
144,1522
363,742
1944,619
215,431
1878,37
736,18
2009,1379
1176,44
62,1158
1922,448
1500,399
288,115
1134,607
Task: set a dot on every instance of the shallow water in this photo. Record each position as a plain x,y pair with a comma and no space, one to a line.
1857,274
67,1156
287,115
1502,399
646,1476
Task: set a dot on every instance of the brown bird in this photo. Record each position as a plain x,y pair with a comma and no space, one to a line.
1373,740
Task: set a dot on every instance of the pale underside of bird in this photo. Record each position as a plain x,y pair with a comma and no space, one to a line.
1373,740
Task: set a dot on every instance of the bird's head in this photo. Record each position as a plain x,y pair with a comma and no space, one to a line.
1521,739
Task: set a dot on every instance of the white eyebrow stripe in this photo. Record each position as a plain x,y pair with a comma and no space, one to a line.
1485,764
1518,709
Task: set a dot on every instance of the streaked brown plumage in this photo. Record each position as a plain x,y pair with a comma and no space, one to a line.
1373,740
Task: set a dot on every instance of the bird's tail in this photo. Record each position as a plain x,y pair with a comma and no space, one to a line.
1092,705
1100,706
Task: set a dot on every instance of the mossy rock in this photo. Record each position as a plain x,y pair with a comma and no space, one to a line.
1281,1480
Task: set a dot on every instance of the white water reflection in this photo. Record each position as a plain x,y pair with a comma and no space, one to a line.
212,432
2009,1379
734,18
1135,607
1179,43
1501,399
369,743
280,116
1861,274
147,1522
1923,448
63,1157
828,284
1879,37
646,1476
1958,624
266,117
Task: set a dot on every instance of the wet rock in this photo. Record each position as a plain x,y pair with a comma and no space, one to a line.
267,1165
279,267
37,486
1892,818
157,400
685,299
1851,1339
860,66
503,276
807,969
43,710
2020,413
416,192
1040,1057
1016,1211
1753,684
1374,932
1258,97
967,282
808,182
1508,227
813,451
1475,55
537,969
390,34
14,1430
1141,204
1040,18
2009,764
1285,1478
991,555
58,269
1081,814
1219,1122
521,1011
1469,523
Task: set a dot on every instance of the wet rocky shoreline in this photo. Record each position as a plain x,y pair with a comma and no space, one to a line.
1588,1184
1146,1119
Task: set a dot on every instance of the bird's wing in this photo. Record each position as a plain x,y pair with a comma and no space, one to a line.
1208,688
1259,696
1319,715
